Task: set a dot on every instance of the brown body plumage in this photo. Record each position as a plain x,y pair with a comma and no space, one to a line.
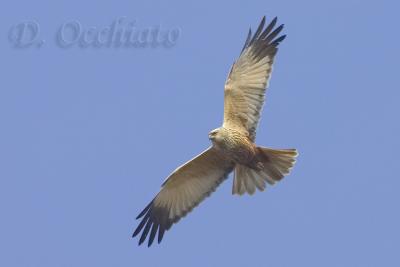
236,145
233,147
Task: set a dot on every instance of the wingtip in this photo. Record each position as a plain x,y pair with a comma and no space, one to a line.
137,231
277,41
160,235
142,239
144,211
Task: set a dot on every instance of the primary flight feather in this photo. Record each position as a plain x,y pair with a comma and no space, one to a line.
233,147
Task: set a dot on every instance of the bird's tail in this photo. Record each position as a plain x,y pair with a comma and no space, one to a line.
275,164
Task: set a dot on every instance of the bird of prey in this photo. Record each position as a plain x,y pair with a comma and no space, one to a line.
233,147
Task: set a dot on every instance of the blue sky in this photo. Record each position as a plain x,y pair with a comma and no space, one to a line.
89,134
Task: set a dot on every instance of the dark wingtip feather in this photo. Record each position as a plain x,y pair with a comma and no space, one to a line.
260,26
258,31
247,40
144,210
278,40
268,29
273,34
140,226
262,22
160,234
153,233
145,232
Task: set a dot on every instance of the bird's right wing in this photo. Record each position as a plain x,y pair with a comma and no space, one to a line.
247,81
183,190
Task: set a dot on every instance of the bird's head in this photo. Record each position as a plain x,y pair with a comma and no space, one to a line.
214,134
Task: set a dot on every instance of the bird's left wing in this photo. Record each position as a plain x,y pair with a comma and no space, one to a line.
183,190
247,81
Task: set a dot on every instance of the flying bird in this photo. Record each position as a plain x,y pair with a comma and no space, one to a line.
233,147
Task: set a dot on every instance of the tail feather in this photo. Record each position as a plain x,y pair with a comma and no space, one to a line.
276,163
249,183
238,183
257,180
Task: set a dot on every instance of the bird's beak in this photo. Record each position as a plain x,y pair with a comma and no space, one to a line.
210,137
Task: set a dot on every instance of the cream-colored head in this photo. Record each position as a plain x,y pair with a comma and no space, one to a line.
213,134
216,135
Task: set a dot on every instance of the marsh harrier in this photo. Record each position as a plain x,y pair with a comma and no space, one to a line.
233,147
